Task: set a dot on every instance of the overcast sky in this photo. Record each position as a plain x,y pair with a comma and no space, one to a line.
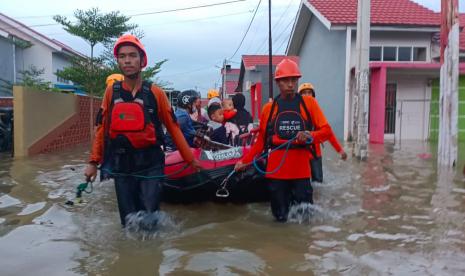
195,41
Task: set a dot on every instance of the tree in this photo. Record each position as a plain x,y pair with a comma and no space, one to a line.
80,73
32,78
94,27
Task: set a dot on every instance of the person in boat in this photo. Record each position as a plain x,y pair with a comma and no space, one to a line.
242,119
289,118
218,131
228,109
185,107
316,164
222,132
199,114
129,134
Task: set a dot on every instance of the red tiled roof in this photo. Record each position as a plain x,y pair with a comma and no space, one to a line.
231,86
383,12
254,60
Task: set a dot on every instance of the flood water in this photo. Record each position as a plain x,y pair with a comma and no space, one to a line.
392,215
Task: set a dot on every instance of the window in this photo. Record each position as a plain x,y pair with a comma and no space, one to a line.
389,53
405,54
397,53
419,54
375,53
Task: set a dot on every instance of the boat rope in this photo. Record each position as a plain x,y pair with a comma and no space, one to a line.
223,191
138,175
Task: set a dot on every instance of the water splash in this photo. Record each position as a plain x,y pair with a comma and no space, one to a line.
145,225
309,213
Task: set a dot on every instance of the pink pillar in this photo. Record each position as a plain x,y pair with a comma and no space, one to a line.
377,104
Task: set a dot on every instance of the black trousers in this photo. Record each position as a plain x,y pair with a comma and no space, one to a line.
137,194
285,193
134,193
316,165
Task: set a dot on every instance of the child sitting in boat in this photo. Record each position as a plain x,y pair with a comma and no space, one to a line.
222,132
228,109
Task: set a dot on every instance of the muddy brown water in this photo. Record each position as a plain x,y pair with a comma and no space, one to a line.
392,215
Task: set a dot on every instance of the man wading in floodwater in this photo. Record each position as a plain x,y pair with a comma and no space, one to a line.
129,136
289,116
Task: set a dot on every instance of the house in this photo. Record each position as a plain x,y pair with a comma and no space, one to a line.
230,78
253,80
22,47
404,65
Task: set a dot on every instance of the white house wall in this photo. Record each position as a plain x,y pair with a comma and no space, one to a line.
58,63
389,38
40,56
413,122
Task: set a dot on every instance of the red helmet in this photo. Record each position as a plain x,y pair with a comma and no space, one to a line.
287,68
130,39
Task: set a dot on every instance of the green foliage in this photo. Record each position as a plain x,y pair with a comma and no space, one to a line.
89,75
95,27
32,78
92,78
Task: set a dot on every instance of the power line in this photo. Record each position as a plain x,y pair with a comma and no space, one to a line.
142,14
178,21
278,36
188,8
248,28
284,31
286,38
198,19
275,25
259,24
191,71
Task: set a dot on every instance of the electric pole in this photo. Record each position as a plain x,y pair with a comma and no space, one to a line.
448,99
362,82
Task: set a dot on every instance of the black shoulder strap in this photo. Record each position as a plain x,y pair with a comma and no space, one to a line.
307,113
150,104
269,124
117,87
310,126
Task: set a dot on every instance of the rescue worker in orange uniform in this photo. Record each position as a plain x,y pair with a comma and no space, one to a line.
129,135
316,164
289,116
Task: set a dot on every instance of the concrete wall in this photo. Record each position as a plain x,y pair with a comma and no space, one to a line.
251,77
322,62
49,121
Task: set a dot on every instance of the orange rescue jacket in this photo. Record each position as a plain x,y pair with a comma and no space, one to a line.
164,114
296,164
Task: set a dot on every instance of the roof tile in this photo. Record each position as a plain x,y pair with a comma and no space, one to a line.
254,60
